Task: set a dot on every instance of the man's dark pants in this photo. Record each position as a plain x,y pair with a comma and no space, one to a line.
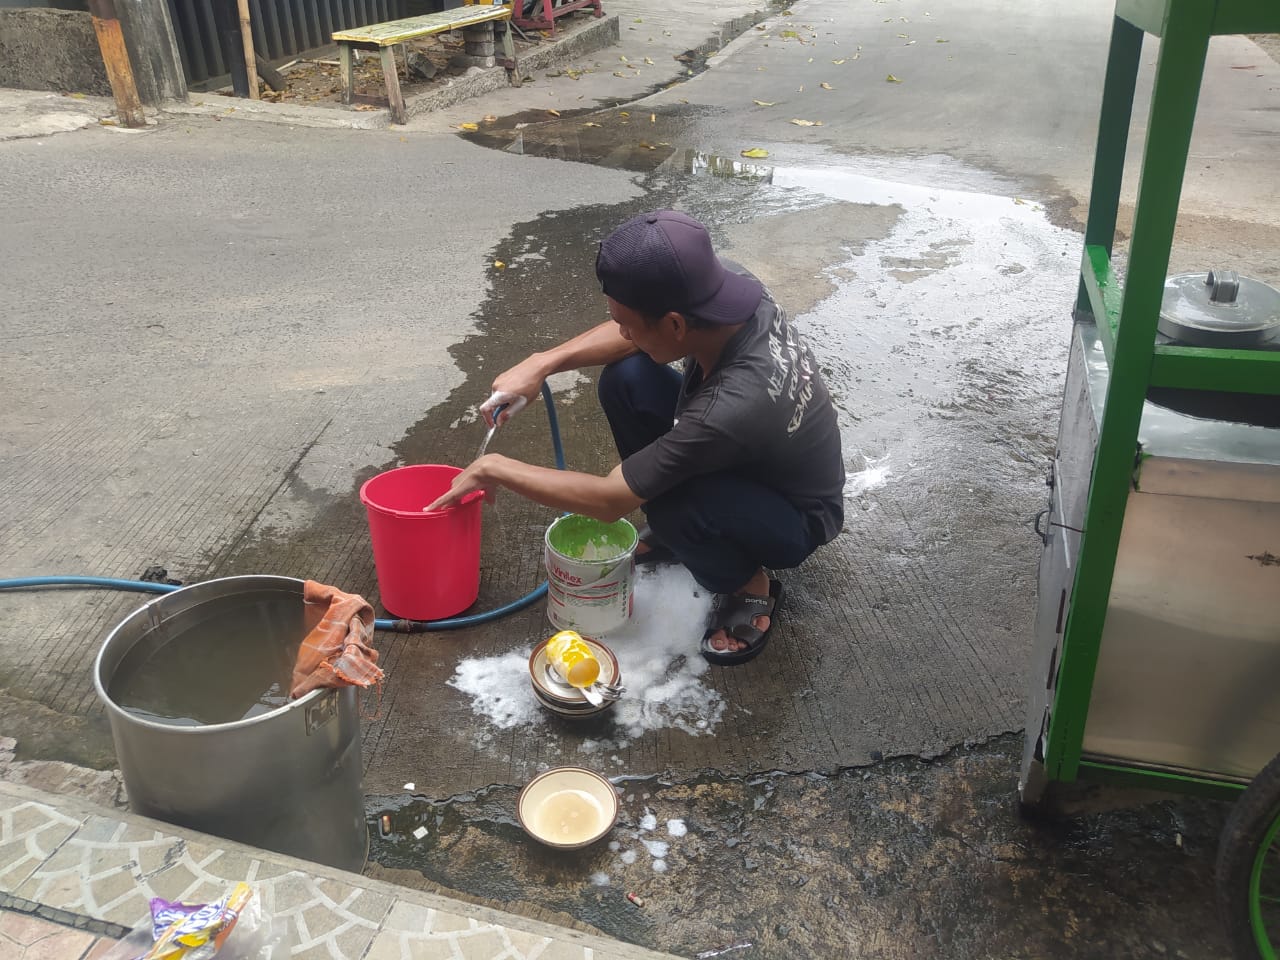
722,526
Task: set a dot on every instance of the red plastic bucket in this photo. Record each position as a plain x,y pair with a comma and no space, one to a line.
428,563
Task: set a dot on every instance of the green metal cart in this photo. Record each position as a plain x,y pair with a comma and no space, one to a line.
1156,661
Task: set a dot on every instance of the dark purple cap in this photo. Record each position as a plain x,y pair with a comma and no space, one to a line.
663,261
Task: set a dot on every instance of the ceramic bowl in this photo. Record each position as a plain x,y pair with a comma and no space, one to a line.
587,794
581,711
563,693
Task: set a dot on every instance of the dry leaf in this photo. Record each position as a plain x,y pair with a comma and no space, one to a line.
648,61
682,100
499,265
838,62
1019,201
653,118
370,106
908,43
638,20
811,59
554,113
892,79
647,146
755,153
591,123
461,126
490,118
801,90
624,59
826,86
805,123
623,114
763,103
902,36
619,73
789,35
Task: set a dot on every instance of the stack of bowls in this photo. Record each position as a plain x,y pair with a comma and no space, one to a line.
566,701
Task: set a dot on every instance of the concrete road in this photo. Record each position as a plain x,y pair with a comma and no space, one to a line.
216,331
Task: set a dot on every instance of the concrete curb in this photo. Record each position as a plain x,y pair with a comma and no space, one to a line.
594,36
105,829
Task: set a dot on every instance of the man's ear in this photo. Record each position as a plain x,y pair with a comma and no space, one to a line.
677,324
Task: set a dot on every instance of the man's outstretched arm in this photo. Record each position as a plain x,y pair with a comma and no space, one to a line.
604,498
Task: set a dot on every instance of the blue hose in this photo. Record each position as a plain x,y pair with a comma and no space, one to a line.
402,626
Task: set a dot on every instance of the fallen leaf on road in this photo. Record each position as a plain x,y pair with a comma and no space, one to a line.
811,59
940,40
647,146
903,36
682,100
892,79
648,61
826,86
801,90
490,118
1019,201
789,35
623,114
370,106
653,118
755,153
763,103
1251,66
499,265
461,126
619,73
638,20
805,123
838,62
908,43
624,59
554,113
591,123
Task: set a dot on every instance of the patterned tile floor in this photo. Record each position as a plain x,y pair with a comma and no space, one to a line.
24,937
94,871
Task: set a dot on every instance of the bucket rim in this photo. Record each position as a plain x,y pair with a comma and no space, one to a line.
466,501
115,710
635,540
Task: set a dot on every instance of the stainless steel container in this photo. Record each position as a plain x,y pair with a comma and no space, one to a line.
286,780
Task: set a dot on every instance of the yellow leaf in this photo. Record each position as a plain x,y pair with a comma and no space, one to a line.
638,20
811,59
763,103
787,13
591,123
78,96
648,61
619,73
838,62
404,139
826,86
789,35
892,79
1019,201
940,40
806,123
499,265
902,36
801,90
624,59
653,118
682,100
462,126
755,153
624,114
647,146
554,113
490,118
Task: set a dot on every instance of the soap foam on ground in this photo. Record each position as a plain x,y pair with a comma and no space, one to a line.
657,653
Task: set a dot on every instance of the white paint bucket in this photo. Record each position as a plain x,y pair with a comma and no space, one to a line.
590,570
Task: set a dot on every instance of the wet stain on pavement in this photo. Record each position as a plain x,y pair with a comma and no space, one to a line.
907,858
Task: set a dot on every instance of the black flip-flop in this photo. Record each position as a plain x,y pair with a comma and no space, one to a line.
736,619
658,551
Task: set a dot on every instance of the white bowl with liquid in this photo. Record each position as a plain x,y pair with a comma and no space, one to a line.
567,807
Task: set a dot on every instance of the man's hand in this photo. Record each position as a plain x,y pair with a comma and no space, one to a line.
478,476
514,388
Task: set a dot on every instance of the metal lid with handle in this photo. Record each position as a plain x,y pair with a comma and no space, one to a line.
1220,309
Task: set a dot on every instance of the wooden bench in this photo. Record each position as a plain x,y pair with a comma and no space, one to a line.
384,37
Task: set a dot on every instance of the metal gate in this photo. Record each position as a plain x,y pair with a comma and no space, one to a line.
281,28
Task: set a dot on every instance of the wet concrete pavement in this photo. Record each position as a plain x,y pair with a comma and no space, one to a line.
252,362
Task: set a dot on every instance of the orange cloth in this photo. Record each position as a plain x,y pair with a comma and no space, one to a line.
337,653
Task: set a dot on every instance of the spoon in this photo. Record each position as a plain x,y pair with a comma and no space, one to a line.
596,694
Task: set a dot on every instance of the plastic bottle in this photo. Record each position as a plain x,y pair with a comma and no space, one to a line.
571,657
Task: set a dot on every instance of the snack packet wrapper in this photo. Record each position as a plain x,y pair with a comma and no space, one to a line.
182,930
230,928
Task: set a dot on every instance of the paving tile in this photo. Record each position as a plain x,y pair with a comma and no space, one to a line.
526,945
559,950
484,944
100,949
30,833
22,929
389,945
409,918
445,922
24,937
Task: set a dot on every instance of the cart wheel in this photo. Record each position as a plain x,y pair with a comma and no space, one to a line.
1248,870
